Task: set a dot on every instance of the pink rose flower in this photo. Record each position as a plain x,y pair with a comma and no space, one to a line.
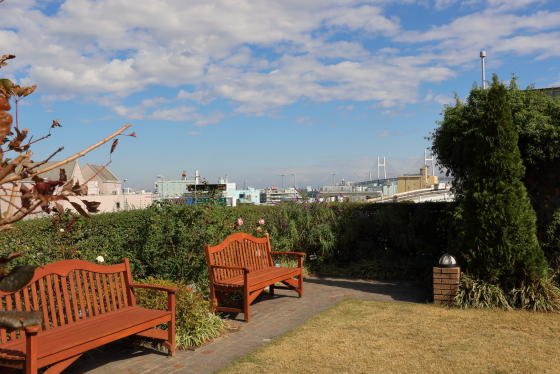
259,229
261,222
239,222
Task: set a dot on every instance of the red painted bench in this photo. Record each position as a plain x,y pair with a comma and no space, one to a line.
243,263
84,306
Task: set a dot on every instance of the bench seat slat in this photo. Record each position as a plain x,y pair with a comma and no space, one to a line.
257,277
65,337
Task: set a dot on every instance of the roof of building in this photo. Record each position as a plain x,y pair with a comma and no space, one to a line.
104,174
550,91
53,174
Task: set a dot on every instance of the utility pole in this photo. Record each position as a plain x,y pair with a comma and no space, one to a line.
482,55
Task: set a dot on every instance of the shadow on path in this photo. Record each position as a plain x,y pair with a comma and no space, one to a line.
398,290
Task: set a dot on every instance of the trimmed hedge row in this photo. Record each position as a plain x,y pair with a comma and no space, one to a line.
166,241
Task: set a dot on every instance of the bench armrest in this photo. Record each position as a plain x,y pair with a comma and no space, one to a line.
158,288
301,254
32,329
244,268
170,295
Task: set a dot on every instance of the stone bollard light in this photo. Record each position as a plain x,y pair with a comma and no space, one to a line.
446,280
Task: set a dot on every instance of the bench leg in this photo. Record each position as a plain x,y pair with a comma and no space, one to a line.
300,284
246,303
31,364
60,366
271,290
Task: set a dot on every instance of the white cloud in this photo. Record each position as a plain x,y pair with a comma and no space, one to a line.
382,134
210,119
348,107
303,119
392,113
443,4
105,50
444,99
180,113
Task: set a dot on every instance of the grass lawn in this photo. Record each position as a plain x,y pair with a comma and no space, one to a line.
357,336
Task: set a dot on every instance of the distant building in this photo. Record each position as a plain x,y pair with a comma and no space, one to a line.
104,188
274,195
72,170
550,91
165,189
101,180
412,182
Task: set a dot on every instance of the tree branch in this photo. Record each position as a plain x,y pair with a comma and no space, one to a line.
64,162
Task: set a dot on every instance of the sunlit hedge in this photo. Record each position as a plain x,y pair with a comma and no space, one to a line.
167,241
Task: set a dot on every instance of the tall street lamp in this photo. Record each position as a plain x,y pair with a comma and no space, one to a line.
282,175
161,177
333,174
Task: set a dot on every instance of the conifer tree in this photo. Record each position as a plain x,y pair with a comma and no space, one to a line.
499,238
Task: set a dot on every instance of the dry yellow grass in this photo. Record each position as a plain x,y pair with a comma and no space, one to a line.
357,336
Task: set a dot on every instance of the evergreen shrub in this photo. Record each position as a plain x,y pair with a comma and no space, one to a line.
166,241
195,322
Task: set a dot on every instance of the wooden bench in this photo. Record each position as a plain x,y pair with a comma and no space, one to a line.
84,306
243,263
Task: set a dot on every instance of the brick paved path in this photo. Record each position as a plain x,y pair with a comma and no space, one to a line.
270,317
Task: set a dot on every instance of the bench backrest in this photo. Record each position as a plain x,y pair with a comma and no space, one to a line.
239,249
69,291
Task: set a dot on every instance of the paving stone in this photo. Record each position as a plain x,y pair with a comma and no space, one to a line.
268,321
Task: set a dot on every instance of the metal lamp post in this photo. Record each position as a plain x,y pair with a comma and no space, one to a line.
482,55
282,175
333,174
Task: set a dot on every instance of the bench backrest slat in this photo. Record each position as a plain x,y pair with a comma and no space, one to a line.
73,292
69,291
239,249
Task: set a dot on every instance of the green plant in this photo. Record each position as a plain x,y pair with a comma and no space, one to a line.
195,323
166,241
540,295
536,119
478,293
497,232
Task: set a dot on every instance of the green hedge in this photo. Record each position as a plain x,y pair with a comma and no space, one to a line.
166,241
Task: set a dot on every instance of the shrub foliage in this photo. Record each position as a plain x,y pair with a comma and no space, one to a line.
498,225
166,241
195,324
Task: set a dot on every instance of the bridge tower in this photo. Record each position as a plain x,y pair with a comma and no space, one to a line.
379,165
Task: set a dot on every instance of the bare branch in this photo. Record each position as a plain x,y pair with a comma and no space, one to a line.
14,192
100,170
10,169
46,160
5,223
69,159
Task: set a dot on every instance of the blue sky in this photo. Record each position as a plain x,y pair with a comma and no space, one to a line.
254,89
